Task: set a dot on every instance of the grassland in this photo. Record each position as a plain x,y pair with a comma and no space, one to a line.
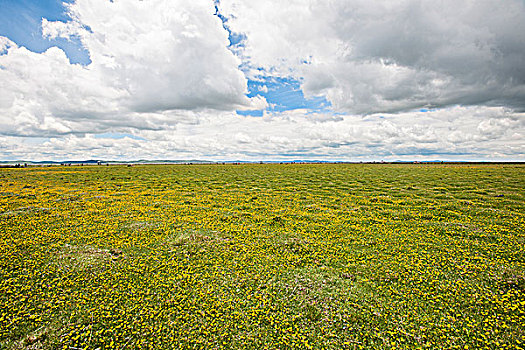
263,256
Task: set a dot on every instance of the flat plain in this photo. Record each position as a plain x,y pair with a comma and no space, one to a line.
262,256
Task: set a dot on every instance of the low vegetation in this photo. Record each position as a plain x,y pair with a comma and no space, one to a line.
257,256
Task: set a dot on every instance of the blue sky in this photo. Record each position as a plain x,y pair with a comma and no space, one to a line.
21,21
283,94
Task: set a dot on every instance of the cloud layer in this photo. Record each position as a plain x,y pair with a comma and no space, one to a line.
384,56
166,74
473,133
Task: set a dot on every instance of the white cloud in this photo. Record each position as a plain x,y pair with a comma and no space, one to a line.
147,56
454,133
57,29
380,56
45,93
165,54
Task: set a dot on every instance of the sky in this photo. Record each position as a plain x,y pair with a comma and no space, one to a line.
341,80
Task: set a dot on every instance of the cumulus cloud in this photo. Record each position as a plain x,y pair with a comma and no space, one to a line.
146,57
384,56
45,93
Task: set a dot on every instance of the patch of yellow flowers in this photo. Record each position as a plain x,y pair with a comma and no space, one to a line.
277,256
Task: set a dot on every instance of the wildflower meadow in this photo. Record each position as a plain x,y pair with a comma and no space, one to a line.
263,256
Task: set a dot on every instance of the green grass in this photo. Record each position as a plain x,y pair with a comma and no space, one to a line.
263,256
